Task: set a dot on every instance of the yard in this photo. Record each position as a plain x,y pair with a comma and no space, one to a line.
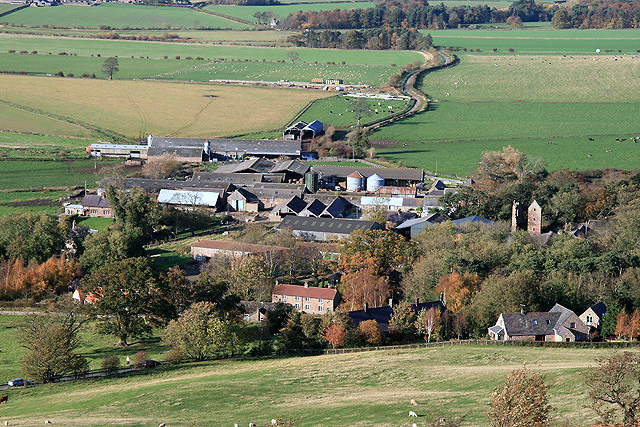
372,388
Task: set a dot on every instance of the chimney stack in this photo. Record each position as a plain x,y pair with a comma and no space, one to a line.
365,306
306,283
416,301
390,302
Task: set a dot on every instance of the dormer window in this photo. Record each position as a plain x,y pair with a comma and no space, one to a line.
548,322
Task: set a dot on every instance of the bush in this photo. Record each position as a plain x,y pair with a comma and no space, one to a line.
174,356
12,51
34,52
59,74
85,76
110,364
177,57
70,75
139,359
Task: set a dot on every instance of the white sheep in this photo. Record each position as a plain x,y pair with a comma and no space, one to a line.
413,414
252,425
413,402
48,422
274,422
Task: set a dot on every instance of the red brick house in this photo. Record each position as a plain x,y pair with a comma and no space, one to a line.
97,206
308,299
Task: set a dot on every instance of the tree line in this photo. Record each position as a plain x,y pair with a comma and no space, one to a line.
599,14
374,39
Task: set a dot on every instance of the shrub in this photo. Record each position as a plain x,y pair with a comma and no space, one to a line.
511,49
177,57
139,359
98,55
93,75
12,51
495,49
23,52
59,74
165,57
34,52
85,75
188,58
110,364
174,356
70,75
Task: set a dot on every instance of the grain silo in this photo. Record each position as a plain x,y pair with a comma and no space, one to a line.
354,181
374,182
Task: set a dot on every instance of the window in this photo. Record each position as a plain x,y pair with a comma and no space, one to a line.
548,322
297,298
297,305
535,322
328,308
319,308
307,299
572,325
284,297
589,320
320,300
307,307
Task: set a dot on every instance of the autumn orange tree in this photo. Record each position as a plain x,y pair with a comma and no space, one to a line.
370,332
35,280
458,289
334,335
364,286
628,325
388,249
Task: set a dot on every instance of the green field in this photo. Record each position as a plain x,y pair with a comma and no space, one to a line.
93,346
31,201
26,146
284,10
5,7
539,40
491,101
338,111
25,121
367,389
116,15
33,174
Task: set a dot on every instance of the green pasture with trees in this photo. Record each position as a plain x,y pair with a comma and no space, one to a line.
338,110
371,388
117,15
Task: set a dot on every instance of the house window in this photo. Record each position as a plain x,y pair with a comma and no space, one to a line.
535,322
572,325
320,300
307,299
297,298
297,305
589,320
319,308
548,322
307,307
284,297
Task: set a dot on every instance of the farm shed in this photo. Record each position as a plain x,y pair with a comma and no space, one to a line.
247,166
402,177
196,150
382,315
210,248
294,170
185,198
314,208
415,226
242,200
293,206
303,130
132,151
401,204
270,194
324,228
237,178
152,186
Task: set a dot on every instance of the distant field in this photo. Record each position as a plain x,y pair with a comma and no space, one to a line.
24,121
337,111
135,108
31,201
116,15
284,10
25,146
491,101
539,41
124,49
5,7
29,174
372,388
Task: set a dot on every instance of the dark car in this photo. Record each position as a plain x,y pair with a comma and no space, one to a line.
19,382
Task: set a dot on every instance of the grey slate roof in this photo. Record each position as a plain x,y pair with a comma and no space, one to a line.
295,204
518,324
232,178
95,201
326,225
382,315
221,145
314,208
410,174
248,166
336,207
155,185
293,166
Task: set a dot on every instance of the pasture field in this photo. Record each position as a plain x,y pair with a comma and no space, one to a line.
136,108
372,388
25,121
123,49
38,175
30,146
117,15
5,7
30,201
548,41
487,102
281,11
338,111
93,346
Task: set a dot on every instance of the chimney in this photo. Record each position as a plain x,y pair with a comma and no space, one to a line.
276,282
416,301
306,283
390,302
365,306
521,308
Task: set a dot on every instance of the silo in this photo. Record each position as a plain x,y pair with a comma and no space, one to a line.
311,182
374,182
354,181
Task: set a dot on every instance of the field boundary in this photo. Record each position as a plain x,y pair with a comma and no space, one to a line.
222,15
14,10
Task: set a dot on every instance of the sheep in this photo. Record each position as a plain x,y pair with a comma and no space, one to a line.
6,423
413,414
252,425
163,425
274,422
413,402
48,422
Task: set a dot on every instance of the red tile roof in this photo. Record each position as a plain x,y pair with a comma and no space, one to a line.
301,291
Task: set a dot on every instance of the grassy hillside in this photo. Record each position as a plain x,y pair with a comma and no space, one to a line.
135,108
487,102
283,10
117,15
368,389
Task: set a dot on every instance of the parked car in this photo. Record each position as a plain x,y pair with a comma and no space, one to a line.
19,382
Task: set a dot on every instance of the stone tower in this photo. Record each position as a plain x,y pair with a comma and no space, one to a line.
534,220
518,222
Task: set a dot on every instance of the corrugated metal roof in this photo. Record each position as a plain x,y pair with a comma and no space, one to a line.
326,225
295,166
230,246
220,145
188,198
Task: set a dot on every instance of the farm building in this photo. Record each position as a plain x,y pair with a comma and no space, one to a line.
558,324
189,199
314,208
73,209
242,200
209,248
400,204
294,170
382,315
412,227
256,311
96,207
152,186
236,178
308,299
324,229
334,81
248,166
330,176
593,316
303,130
132,151
294,206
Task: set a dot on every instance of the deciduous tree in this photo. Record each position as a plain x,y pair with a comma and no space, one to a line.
364,286
334,335
427,322
110,67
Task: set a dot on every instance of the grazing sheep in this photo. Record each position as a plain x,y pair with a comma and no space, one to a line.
236,425
413,414
414,425
162,425
413,402
48,422
274,422
443,420
252,425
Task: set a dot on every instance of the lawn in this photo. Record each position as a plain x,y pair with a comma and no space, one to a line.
124,49
116,15
96,223
93,346
370,389
337,111
137,108
283,10
491,101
